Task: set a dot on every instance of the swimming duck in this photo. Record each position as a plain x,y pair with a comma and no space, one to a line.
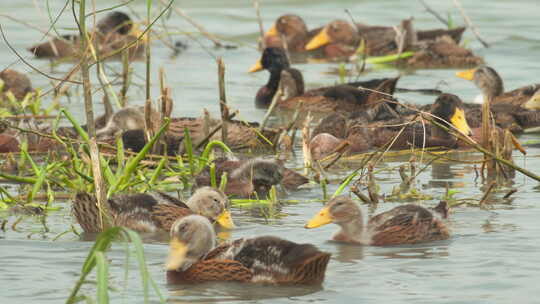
151,212
112,33
345,98
15,82
293,29
405,224
433,48
491,85
256,175
363,133
194,258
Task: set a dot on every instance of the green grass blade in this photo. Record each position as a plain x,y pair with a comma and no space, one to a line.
102,277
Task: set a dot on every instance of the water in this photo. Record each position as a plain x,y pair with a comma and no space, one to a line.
492,256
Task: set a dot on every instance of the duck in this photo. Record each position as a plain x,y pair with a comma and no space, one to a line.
194,258
405,224
129,122
151,212
491,84
340,39
362,133
293,30
246,178
15,82
114,32
344,98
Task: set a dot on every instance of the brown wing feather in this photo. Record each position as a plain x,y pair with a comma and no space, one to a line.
211,270
518,96
406,224
165,215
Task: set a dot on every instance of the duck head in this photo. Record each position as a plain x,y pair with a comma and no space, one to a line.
192,237
449,108
486,79
273,59
340,210
211,203
337,31
115,21
291,27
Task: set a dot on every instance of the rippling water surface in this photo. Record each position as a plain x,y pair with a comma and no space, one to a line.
492,256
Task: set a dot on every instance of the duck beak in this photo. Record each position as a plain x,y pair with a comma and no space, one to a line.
272,32
177,255
320,219
322,38
137,32
225,220
533,103
256,67
468,74
459,121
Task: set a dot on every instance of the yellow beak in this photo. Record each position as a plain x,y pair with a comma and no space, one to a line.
320,219
177,254
460,122
225,220
272,31
533,103
256,67
137,32
468,74
322,38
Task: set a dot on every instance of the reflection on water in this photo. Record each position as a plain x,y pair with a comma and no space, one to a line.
219,292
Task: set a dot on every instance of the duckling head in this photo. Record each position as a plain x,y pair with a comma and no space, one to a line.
449,108
264,172
289,26
192,237
213,204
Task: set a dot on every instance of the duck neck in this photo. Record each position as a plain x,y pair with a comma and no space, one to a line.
352,231
273,82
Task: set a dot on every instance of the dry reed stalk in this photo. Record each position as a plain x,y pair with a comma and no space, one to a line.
223,100
434,13
270,110
125,78
469,23
305,143
484,198
259,20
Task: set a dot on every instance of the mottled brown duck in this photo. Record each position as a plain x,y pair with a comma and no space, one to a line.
193,258
112,33
151,212
256,176
406,224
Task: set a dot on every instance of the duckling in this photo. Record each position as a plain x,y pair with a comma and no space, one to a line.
193,257
257,175
112,33
491,85
344,98
405,224
15,82
151,212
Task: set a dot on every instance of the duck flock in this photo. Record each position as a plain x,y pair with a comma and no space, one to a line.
348,118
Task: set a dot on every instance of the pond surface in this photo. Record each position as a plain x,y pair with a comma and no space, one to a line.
492,256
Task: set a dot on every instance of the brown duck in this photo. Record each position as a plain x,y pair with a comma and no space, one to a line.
433,48
112,33
194,258
405,224
151,212
245,178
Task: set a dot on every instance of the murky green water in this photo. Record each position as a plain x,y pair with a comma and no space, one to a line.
492,256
